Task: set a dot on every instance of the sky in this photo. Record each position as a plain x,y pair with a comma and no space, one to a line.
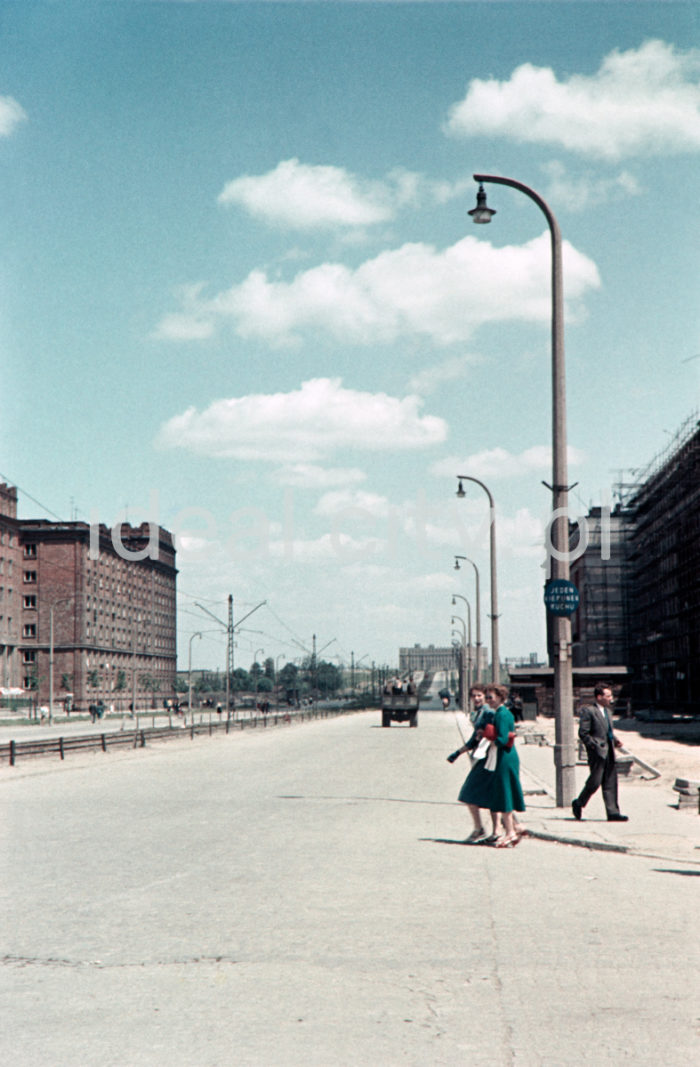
241,294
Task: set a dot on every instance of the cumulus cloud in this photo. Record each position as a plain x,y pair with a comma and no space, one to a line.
449,370
305,197
303,426
11,114
497,463
414,290
302,196
643,102
580,192
348,501
311,476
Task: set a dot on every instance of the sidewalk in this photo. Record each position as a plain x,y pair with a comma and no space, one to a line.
656,827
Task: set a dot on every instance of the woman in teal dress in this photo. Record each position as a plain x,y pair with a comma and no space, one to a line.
506,794
476,791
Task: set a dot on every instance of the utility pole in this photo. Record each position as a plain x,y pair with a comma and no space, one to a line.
229,653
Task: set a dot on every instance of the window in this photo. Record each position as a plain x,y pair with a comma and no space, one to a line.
29,656
30,551
30,602
30,577
29,629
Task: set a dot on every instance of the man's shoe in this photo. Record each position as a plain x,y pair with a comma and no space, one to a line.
616,817
576,808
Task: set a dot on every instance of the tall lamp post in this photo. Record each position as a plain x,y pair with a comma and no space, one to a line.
189,676
495,652
477,608
564,756
467,650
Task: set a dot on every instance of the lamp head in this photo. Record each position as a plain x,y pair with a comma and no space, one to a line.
457,566
460,488
481,213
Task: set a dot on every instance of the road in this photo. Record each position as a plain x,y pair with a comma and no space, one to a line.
299,898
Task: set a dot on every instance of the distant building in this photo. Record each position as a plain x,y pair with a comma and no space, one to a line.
640,608
10,586
107,610
664,573
432,658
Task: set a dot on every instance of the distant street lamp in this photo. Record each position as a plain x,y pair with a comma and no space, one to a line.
466,651
189,676
564,755
495,652
477,608
255,660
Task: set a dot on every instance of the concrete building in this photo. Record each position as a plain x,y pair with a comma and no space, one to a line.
664,575
430,658
640,602
90,607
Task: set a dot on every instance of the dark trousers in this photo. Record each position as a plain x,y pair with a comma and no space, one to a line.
601,772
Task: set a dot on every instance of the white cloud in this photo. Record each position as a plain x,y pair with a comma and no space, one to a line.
581,192
357,501
643,102
11,114
305,425
449,370
414,290
499,463
302,196
311,476
305,197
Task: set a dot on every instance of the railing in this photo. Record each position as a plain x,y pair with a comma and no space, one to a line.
136,737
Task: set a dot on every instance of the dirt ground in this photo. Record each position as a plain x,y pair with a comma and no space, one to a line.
672,748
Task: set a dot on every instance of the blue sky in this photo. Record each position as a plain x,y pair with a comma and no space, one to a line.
240,293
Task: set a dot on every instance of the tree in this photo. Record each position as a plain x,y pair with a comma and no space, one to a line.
328,678
240,680
269,668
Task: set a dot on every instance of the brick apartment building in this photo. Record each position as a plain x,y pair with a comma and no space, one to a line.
103,600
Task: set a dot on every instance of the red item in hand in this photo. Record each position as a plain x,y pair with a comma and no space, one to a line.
490,731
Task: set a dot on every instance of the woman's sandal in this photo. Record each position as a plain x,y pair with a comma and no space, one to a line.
476,837
507,842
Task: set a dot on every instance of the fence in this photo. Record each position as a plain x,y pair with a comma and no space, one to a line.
12,751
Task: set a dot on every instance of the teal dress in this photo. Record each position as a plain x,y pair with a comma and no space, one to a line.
477,787
506,793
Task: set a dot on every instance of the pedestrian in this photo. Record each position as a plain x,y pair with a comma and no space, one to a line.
476,791
506,796
596,732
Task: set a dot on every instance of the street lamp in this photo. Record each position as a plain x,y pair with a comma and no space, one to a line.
189,676
255,660
564,756
495,652
478,609
466,651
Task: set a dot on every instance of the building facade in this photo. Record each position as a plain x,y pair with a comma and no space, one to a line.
430,658
641,606
664,574
10,587
92,611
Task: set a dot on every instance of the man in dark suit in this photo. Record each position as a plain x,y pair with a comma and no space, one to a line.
596,733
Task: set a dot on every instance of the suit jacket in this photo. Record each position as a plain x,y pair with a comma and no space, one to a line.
593,731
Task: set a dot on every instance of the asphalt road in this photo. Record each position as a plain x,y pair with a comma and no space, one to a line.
299,898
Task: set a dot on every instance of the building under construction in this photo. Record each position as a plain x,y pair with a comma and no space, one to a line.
639,581
664,577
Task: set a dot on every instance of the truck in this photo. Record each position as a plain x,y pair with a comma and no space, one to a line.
400,706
